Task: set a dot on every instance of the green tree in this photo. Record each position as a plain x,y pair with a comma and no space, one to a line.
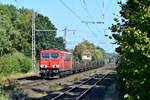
97,54
14,34
133,38
8,34
16,31
47,40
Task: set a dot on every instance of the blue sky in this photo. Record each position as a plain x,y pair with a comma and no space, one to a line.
87,10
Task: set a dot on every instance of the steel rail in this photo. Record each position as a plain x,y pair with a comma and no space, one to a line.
31,84
61,94
82,83
79,97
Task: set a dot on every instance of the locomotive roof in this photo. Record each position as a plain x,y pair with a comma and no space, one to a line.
54,51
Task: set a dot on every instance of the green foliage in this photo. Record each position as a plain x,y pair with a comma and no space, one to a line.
2,93
16,31
4,89
3,96
24,62
13,63
133,39
111,58
47,40
7,31
97,53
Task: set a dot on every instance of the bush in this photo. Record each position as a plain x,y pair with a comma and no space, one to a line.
24,62
12,63
132,35
9,92
3,95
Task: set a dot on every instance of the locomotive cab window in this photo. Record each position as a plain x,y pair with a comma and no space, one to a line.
49,55
54,55
45,55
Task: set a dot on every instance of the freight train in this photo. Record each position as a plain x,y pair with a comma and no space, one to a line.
56,64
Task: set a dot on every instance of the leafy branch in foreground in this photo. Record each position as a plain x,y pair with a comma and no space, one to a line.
133,37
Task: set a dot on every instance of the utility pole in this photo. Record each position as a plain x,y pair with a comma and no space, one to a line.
65,33
34,30
33,42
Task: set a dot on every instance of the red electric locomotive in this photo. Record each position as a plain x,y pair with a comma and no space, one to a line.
55,63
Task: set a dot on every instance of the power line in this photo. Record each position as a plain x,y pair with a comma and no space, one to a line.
86,24
89,15
39,30
34,30
73,12
103,11
86,10
70,9
90,22
65,33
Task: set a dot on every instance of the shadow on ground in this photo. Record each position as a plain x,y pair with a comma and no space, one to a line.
31,78
97,93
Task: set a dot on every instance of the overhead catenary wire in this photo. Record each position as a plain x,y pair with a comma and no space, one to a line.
101,9
88,14
73,12
83,4
86,10
78,17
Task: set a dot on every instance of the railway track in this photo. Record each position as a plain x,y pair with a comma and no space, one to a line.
79,90
31,83
75,91
23,84
35,83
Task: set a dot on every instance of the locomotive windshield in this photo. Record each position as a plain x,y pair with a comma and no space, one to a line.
54,55
49,55
45,55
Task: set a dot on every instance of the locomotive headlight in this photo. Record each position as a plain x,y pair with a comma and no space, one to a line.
57,66
42,66
45,66
53,66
